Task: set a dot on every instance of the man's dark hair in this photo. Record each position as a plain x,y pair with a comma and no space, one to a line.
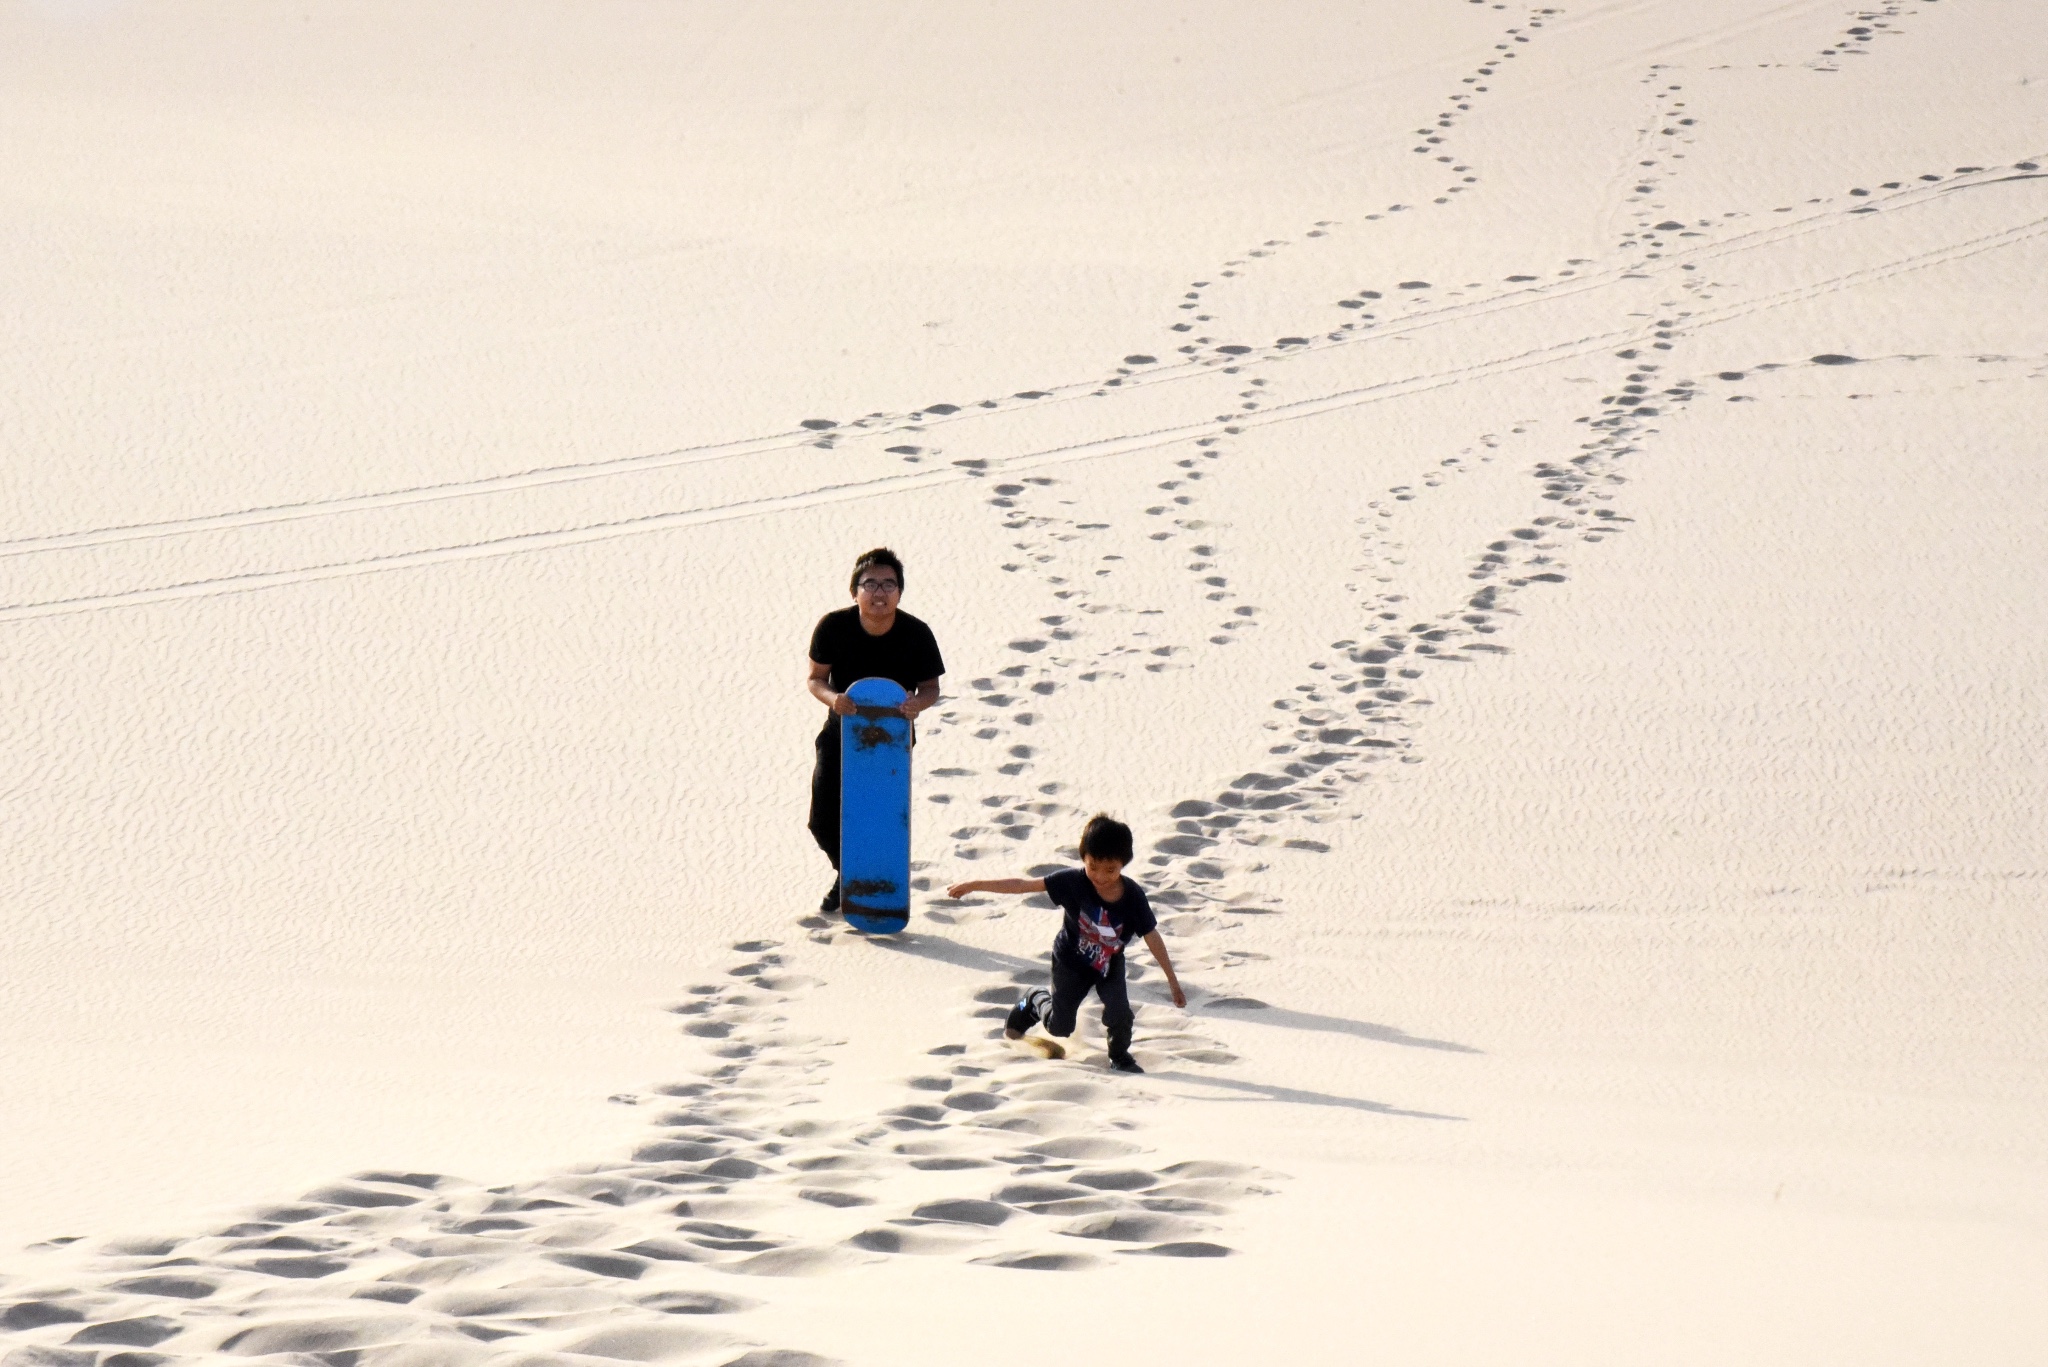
880,555
1104,837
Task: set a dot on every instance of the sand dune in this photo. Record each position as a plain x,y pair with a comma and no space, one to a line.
1531,512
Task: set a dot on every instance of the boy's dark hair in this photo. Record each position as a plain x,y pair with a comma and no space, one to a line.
1104,837
880,555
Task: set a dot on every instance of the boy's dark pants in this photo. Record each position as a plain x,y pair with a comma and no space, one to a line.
825,793
1070,985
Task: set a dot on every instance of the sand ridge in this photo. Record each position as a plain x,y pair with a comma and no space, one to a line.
1151,508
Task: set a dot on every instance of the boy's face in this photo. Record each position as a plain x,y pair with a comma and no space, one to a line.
1106,874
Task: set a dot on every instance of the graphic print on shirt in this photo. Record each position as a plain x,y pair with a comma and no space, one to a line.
1099,941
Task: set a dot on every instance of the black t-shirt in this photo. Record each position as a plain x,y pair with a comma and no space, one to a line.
1094,932
906,652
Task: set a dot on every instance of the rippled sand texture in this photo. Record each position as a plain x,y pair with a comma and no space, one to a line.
1532,513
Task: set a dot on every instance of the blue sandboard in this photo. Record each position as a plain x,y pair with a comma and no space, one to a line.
874,810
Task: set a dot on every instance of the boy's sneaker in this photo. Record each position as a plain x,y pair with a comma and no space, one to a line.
1124,1063
831,902
1026,1013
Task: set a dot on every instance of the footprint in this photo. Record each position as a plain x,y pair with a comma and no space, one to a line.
646,1342
1079,1093
389,1293
965,1211
779,1357
1184,1248
624,1266
896,1239
1084,1147
792,1262
176,1287
664,1248
1182,1205
1208,1169
329,1335
362,1197
145,1331
696,1303
1042,1262
1025,1193
1116,1179
1130,1228
973,1101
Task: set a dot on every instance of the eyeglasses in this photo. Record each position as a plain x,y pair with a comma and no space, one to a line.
879,586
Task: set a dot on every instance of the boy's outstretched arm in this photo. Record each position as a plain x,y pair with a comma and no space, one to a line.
1158,948
1016,885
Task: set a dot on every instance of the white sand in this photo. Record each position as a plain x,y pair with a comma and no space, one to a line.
409,540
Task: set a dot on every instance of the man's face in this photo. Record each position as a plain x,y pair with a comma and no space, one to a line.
1103,873
877,589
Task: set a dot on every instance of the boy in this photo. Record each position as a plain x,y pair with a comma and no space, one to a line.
1104,912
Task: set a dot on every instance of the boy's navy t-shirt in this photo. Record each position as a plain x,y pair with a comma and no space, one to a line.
1093,932
907,652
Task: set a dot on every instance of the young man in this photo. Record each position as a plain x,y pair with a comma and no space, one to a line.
873,639
1104,911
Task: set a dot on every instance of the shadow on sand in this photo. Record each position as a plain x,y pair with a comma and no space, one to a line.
1245,1008
979,960
1262,1091
1266,1014
953,952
